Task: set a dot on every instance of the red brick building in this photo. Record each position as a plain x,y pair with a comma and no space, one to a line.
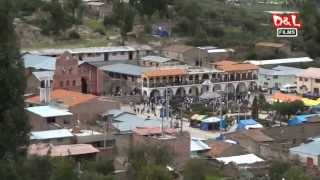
67,75
91,78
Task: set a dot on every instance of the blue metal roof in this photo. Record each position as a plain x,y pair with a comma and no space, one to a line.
127,69
39,62
312,148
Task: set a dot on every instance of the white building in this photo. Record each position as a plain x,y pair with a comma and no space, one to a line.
107,53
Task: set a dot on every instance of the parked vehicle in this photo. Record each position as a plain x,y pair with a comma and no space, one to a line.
288,88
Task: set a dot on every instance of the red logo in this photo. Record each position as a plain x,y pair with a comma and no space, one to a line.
286,20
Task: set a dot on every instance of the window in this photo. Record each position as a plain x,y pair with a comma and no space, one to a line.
114,54
51,120
66,121
61,83
70,71
42,84
74,83
300,79
305,79
67,84
275,77
122,53
317,80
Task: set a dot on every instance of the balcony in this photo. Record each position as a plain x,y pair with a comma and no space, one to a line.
196,82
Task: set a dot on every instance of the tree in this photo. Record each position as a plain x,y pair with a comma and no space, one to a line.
57,20
149,161
200,170
255,109
64,169
123,14
104,167
311,27
76,8
14,125
286,109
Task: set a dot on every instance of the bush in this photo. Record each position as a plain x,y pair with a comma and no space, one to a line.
74,35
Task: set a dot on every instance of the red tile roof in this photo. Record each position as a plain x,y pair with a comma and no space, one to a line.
254,134
153,131
61,150
230,66
69,98
281,97
165,72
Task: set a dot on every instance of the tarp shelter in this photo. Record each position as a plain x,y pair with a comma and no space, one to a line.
212,123
248,124
198,117
300,119
310,102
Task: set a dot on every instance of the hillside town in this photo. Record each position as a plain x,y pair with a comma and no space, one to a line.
151,105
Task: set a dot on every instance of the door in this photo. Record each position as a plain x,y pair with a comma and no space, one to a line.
309,162
130,55
84,86
106,56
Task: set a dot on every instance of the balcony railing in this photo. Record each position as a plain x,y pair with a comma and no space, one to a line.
196,82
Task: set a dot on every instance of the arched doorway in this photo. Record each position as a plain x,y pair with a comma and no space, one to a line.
193,91
170,93
84,86
230,89
241,90
216,87
181,92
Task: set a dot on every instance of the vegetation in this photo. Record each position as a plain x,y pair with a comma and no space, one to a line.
287,109
14,126
149,162
200,170
284,170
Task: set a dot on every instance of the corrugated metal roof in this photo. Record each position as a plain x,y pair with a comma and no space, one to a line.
125,69
198,145
242,159
39,62
158,59
43,75
312,148
280,61
50,134
48,111
281,71
82,50
127,122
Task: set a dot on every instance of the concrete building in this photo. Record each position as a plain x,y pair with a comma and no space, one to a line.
107,53
84,107
37,80
48,117
187,54
231,77
178,143
157,61
76,151
55,137
122,79
216,54
269,49
309,81
307,153
278,76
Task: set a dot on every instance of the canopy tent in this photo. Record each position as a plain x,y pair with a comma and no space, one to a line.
198,117
248,124
300,119
310,102
212,123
